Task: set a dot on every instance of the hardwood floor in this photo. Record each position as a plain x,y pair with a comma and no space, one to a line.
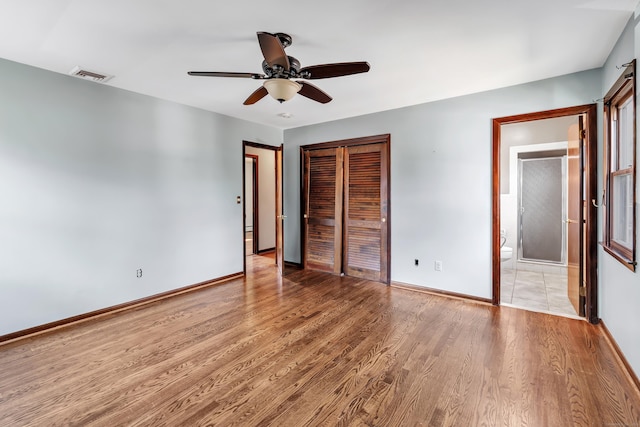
316,349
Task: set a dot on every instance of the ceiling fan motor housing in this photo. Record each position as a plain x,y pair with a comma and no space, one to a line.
278,72
285,39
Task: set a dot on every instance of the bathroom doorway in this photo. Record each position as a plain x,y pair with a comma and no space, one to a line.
540,262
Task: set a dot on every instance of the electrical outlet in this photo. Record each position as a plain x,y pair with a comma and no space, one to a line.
139,273
416,262
438,265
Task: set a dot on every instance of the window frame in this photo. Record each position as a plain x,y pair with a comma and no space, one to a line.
620,93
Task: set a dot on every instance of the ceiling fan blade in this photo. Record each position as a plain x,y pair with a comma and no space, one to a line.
313,92
225,74
273,51
325,71
256,96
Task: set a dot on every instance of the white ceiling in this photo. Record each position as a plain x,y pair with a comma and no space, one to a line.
419,50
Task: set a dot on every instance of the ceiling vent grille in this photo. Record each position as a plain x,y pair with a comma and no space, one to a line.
90,75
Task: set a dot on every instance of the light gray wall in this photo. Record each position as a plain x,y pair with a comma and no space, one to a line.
620,287
440,177
266,196
623,52
96,182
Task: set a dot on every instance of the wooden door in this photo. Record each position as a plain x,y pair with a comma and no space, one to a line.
574,219
323,188
279,215
365,212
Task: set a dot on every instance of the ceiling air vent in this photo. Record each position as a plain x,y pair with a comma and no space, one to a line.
89,75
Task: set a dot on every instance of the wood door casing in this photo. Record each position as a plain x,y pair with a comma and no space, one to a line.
279,238
589,210
365,213
279,214
323,189
574,219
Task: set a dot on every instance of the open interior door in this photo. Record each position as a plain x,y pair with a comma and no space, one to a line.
575,217
279,216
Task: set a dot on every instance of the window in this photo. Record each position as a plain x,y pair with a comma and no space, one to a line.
620,170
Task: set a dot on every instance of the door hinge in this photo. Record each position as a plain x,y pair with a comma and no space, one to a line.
583,291
583,134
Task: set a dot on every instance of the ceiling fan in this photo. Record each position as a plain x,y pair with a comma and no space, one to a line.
279,69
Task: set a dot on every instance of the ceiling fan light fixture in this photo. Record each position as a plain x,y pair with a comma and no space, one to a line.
282,89
279,68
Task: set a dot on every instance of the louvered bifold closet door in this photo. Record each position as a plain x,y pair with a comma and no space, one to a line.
365,227
323,186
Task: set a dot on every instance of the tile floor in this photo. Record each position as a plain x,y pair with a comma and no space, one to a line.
536,290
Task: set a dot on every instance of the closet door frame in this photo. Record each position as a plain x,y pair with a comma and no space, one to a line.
385,201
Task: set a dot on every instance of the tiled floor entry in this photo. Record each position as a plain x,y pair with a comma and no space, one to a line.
536,290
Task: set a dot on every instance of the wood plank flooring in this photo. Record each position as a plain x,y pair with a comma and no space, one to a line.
315,349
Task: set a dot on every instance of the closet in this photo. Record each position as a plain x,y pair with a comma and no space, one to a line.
346,207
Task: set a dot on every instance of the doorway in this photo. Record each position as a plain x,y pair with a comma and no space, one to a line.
544,220
262,202
251,204
346,205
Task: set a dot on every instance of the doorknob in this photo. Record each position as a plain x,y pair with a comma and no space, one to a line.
384,219
570,221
